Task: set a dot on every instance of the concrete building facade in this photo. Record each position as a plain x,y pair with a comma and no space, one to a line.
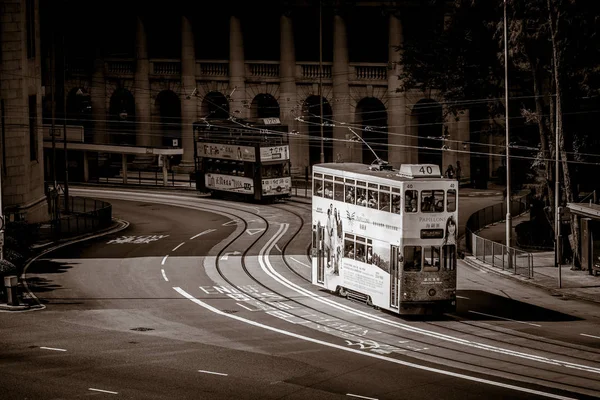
209,66
21,158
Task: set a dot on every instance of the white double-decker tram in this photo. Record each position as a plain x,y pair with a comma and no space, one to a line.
385,236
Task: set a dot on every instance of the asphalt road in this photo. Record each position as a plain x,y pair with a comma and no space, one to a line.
154,312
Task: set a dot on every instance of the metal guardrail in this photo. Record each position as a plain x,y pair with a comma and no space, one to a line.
496,254
85,215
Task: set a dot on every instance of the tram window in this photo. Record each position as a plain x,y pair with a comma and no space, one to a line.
328,192
286,169
451,200
411,199
396,203
349,249
369,253
384,198
449,256
272,171
412,258
350,195
361,197
338,191
373,198
431,259
432,201
318,187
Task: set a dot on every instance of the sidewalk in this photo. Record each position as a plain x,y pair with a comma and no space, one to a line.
578,285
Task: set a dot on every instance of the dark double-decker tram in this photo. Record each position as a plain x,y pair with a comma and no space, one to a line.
241,158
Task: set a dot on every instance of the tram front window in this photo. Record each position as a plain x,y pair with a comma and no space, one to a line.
412,258
431,259
272,171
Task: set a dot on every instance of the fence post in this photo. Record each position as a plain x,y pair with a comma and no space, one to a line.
515,261
493,252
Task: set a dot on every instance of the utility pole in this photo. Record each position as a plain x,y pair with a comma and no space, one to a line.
508,217
321,76
557,256
65,119
1,222
53,106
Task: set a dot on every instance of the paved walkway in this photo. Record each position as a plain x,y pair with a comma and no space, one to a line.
573,284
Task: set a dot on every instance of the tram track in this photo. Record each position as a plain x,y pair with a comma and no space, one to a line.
434,359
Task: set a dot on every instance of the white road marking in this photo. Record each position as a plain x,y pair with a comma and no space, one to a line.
267,267
463,297
52,348
103,391
278,249
211,372
363,353
202,233
506,319
254,231
204,290
164,259
178,246
592,336
233,221
243,306
300,262
164,275
360,397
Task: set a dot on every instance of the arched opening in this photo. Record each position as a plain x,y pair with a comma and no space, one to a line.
430,122
264,106
169,111
372,116
122,117
311,114
215,106
79,111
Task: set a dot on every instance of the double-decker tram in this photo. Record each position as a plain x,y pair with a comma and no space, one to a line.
245,158
386,236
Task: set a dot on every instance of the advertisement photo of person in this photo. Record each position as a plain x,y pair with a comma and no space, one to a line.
450,234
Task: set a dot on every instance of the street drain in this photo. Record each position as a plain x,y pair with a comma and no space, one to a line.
142,329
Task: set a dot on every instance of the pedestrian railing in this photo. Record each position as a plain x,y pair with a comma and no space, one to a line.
83,216
496,254
503,257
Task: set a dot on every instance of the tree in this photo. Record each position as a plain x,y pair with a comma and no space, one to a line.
466,65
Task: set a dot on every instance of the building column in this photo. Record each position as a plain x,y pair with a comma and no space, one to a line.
450,155
237,69
188,83
287,97
98,100
398,153
341,91
142,94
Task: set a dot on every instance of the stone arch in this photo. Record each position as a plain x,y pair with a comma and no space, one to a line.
168,108
264,105
311,114
214,106
371,115
121,117
428,117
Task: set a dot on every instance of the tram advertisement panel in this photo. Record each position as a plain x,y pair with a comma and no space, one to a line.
277,185
275,153
230,183
226,151
356,246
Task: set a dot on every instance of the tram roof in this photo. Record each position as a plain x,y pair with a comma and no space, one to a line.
406,172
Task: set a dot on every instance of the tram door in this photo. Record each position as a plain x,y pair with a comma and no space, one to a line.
394,265
318,246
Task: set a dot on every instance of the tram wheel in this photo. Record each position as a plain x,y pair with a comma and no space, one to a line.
342,292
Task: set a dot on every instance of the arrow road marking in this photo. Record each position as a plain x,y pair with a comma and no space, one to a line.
254,231
226,255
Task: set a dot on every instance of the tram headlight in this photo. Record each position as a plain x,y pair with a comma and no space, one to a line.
432,292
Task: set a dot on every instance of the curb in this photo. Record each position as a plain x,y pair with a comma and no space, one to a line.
118,226
471,262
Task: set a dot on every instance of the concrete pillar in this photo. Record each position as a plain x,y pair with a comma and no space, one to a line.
287,97
142,92
98,100
188,83
237,69
341,91
397,132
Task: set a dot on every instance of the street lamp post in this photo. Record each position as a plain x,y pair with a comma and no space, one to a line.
321,76
556,200
508,216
